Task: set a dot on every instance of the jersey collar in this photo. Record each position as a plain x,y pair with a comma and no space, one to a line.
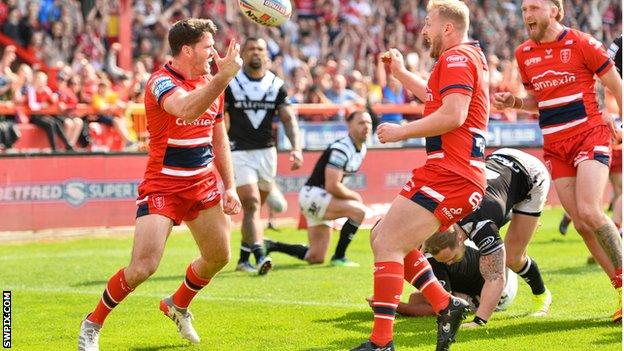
173,71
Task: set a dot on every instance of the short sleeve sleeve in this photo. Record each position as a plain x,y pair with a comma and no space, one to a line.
526,82
457,74
337,159
282,97
161,87
594,55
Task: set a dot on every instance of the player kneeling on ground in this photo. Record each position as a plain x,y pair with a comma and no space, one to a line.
465,279
325,197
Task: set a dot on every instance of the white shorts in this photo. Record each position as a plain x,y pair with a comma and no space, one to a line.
255,166
536,198
313,202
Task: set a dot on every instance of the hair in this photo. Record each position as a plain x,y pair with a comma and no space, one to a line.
189,32
442,240
252,39
454,10
559,4
352,115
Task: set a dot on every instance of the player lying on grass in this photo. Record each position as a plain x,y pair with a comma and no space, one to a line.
325,197
464,279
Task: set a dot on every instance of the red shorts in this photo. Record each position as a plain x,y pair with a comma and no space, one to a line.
184,205
563,156
447,195
616,161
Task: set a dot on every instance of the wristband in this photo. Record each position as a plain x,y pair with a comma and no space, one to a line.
479,321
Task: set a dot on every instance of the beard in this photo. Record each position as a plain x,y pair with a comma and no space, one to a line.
435,46
255,63
538,34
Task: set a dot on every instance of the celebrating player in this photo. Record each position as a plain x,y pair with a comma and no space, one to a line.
557,66
325,197
464,278
252,100
184,109
452,182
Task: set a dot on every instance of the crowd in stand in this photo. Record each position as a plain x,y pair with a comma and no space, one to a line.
327,53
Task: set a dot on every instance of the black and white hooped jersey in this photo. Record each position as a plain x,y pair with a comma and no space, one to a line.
340,154
252,105
508,183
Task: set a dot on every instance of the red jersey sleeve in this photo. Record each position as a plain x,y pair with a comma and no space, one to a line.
161,87
457,74
219,117
595,56
526,82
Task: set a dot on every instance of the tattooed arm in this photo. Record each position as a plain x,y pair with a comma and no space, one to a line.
492,268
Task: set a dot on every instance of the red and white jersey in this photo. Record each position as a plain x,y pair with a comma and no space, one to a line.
461,69
560,74
180,153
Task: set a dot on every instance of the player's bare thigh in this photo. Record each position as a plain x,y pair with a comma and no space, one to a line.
339,208
319,238
211,231
150,235
406,226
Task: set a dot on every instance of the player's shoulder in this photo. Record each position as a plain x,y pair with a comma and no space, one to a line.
525,48
343,144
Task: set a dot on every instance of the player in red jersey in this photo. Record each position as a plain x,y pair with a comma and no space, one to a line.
448,187
557,66
184,109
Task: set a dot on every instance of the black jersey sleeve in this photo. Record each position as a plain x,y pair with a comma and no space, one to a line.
282,97
615,53
441,272
487,238
229,98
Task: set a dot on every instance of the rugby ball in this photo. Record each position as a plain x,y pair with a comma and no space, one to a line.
270,13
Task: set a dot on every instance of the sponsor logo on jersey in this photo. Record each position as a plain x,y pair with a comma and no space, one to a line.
549,54
532,61
456,61
565,55
552,79
447,213
207,122
429,94
75,192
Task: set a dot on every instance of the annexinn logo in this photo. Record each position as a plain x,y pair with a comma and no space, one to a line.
552,79
75,192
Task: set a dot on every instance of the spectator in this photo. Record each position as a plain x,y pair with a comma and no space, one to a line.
392,92
108,104
67,102
39,96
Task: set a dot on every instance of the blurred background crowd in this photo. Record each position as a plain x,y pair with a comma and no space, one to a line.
327,53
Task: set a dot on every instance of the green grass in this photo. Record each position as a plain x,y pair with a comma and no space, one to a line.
295,307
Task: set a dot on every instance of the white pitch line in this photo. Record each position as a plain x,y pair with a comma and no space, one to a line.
74,291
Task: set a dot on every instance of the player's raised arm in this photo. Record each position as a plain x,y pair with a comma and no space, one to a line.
191,105
409,80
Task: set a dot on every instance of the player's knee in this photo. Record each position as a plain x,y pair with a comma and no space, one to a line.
358,213
141,270
590,217
250,205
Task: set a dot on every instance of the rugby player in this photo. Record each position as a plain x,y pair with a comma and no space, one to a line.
252,99
557,66
325,197
452,182
188,145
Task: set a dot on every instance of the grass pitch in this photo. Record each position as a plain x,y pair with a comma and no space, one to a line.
296,307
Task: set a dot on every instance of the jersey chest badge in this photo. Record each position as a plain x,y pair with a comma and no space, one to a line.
565,55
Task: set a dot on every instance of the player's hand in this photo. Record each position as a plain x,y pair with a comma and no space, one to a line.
389,132
232,62
231,202
394,59
503,100
615,134
470,325
296,157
